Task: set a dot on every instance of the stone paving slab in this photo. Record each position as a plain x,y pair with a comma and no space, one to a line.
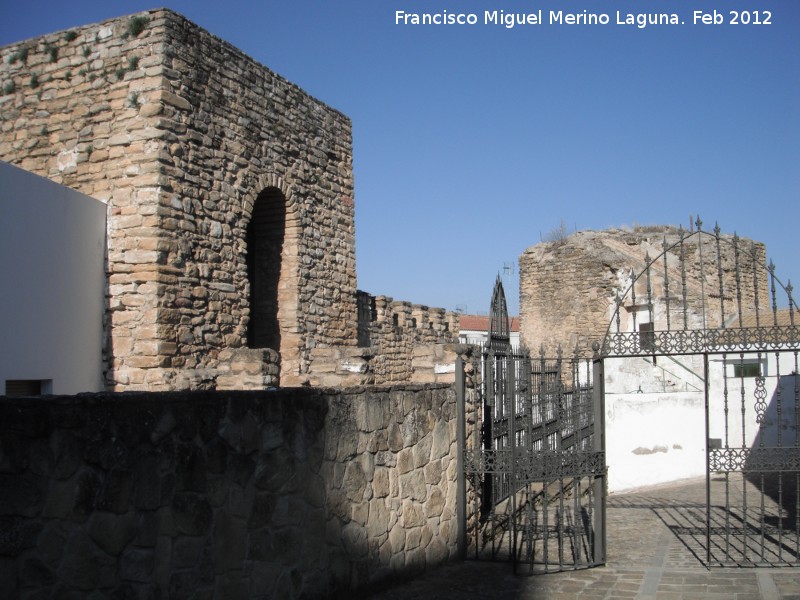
655,552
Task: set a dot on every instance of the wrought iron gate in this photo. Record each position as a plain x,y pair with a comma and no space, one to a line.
533,458
713,300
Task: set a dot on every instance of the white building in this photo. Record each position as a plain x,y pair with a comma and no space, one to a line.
473,329
52,265
656,413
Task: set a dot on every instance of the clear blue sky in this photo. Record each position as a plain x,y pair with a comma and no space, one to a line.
471,142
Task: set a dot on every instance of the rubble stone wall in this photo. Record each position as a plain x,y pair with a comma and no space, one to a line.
400,334
179,133
289,493
568,288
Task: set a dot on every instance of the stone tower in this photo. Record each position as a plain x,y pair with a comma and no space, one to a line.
568,288
229,192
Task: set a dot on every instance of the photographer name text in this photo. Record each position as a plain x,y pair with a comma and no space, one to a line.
641,20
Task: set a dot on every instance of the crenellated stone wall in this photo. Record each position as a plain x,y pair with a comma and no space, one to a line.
230,210
180,133
287,493
400,333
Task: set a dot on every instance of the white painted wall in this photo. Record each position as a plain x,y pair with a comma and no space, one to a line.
475,337
654,438
655,414
52,269
779,382
655,420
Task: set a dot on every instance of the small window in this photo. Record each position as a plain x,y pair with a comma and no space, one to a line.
647,337
413,322
747,369
396,320
23,387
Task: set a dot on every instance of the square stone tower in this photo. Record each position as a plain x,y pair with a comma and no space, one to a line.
229,192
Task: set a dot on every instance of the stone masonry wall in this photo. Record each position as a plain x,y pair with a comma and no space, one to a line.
568,288
179,132
77,107
401,334
285,494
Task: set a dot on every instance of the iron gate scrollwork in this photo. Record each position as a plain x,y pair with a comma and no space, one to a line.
712,301
534,458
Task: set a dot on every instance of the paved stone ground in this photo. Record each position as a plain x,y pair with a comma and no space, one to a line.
657,550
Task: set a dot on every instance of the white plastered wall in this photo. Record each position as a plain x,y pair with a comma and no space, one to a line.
656,416
52,268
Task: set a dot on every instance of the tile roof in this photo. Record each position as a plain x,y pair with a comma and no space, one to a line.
765,319
481,323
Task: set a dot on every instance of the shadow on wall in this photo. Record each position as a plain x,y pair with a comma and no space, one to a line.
290,493
772,464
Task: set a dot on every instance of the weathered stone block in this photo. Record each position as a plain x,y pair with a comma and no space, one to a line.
355,481
136,564
232,585
433,472
111,532
85,566
412,485
146,530
315,492
412,515
241,468
183,584
435,503
395,437
147,483
437,552
35,574
84,492
274,470
190,468
229,547
422,451
354,538
192,513
442,439
20,496
116,492
380,483
290,545
347,445
405,461
384,458
17,534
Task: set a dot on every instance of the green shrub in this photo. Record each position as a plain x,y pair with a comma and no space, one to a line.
136,25
20,55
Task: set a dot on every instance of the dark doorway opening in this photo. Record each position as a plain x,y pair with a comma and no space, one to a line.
265,238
